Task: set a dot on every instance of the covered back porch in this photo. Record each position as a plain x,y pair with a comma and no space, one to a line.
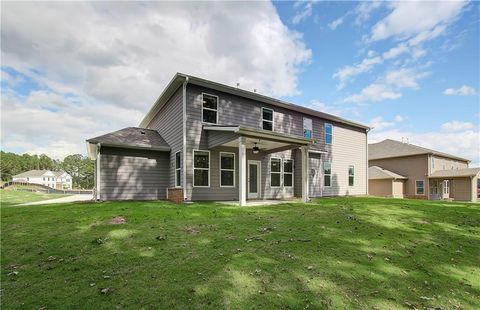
270,165
458,184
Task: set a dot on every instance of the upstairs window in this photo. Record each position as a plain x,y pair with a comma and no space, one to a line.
275,172
209,109
327,174
288,172
351,175
328,133
307,128
227,169
201,168
178,169
267,119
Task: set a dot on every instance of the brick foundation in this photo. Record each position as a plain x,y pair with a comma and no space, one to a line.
175,194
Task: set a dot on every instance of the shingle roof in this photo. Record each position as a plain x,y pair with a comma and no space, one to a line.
31,174
390,148
133,137
378,173
454,173
58,173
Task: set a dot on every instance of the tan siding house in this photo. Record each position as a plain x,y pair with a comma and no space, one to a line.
429,174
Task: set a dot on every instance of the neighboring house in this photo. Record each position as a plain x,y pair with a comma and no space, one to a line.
53,179
384,183
426,173
203,140
63,180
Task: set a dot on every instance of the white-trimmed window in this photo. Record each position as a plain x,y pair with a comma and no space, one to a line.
327,174
201,168
307,128
275,172
227,169
419,187
288,172
351,175
209,109
328,133
267,119
178,169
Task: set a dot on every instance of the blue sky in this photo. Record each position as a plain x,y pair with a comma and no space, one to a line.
408,69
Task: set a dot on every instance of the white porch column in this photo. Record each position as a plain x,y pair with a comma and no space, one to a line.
305,170
242,172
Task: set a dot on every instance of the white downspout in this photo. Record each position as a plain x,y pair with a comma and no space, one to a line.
98,171
184,142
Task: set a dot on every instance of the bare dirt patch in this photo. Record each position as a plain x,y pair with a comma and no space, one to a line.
191,229
117,220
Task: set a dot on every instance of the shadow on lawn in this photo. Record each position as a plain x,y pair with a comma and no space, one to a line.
361,263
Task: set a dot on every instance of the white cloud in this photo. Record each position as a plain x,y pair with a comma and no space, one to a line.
388,87
364,10
101,66
428,16
458,126
398,118
326,108
380,123
347,72
374,93
462,91
306,9
462,143
334,24
404,78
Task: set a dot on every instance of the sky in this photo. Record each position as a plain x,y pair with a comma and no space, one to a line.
410,70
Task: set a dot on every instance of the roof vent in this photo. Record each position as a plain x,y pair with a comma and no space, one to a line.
254,90
142,132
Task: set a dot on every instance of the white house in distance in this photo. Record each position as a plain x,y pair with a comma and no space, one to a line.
54,179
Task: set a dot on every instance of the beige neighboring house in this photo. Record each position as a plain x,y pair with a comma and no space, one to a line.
385,183
54,179
425,173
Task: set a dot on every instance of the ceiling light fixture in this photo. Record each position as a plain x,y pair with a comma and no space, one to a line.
255,149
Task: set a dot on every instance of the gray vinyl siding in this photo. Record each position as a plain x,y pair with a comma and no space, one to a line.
133,174
169,124
315,175
216,138
348,147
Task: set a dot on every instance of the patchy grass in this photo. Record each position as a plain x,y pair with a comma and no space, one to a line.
18,194
332,253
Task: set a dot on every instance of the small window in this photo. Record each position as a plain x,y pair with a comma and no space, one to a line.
351,175
227,169
288,172
307,128
201,168
267,119
178,169
419,188
209,108
328,133
327,174
275,171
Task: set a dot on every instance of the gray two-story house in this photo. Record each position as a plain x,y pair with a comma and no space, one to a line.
203,140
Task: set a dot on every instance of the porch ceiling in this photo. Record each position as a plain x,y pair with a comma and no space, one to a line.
265,140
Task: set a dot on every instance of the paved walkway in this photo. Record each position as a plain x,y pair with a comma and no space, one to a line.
71,198
254,203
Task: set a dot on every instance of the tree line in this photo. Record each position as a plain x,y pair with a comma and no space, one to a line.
80,167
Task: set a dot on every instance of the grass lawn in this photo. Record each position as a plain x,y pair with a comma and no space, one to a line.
332,253
13,195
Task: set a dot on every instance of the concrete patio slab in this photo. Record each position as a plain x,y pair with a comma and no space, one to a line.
67,199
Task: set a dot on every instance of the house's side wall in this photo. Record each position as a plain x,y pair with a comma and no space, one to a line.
397,188
413,167
169,124
348,148
133,174
443,163
315,176
381,188
464,189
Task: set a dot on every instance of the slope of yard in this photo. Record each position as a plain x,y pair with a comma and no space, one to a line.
13,195
333,253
